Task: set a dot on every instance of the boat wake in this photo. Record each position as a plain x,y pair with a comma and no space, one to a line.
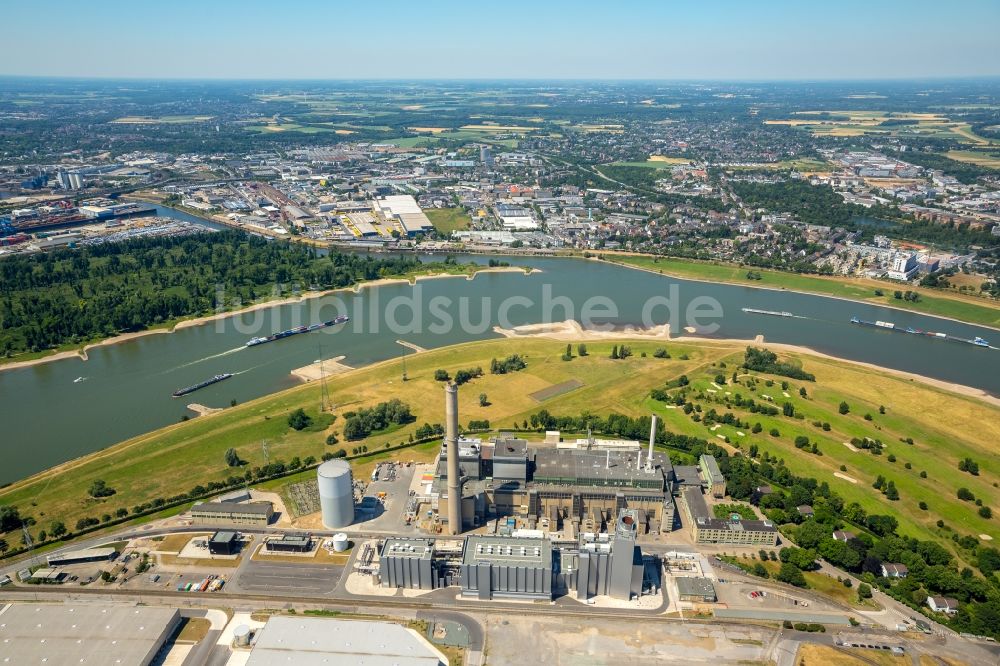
207,358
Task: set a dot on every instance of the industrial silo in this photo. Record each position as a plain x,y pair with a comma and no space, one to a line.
241,636
336,493
340,542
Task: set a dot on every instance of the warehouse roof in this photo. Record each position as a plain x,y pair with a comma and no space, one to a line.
410,548
314,641
84,634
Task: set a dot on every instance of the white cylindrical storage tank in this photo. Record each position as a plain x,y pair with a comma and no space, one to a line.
336,493
241,636
340,542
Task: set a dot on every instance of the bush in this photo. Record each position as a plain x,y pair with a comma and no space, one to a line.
331,439
985,512
844,408
965,495
512,363
864,591
299,420
441,375
99,489
661,353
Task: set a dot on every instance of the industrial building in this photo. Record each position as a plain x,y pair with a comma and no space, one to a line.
224,543
410,563
715,482
522,566
734,531
82,556
84,634
506,567
288,543
336,493
606,564
696,589
578,489
258,514
405,209
306,641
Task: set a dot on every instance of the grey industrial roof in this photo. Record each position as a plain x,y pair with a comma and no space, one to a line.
696,502
223,537
508,551
699,586
87,553
313,641
229,507
83,633
415,548
687,475
616,468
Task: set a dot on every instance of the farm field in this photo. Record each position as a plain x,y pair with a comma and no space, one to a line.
990,160
175,458
936,302
857,123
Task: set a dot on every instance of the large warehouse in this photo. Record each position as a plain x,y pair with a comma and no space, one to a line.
84,634
311,641
404,209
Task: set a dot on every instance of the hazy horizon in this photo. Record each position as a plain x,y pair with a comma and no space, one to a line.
520,41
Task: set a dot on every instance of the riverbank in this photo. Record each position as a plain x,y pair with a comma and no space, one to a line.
573,332
933,303
190,453
81,353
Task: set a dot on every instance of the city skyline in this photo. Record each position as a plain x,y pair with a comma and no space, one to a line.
641,41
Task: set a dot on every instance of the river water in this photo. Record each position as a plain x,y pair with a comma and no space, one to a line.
49,418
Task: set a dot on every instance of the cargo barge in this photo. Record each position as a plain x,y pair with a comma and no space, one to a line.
200,385
773,313
253,342
890,326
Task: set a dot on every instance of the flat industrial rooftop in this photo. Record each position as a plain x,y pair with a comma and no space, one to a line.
314,641
62,634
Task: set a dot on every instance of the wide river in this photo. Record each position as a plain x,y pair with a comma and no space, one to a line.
51,415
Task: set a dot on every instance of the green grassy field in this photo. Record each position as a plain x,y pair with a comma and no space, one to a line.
650,164
175,458
934,302
955,428
447,220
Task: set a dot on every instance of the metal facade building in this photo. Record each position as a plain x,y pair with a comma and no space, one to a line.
506,567
409,563
213,513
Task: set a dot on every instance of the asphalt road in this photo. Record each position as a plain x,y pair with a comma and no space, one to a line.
288,578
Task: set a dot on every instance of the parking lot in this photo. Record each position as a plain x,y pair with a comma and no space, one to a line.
287,578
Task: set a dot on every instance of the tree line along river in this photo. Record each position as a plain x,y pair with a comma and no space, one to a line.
49,417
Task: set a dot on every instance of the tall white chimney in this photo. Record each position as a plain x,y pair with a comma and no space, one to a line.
451,451
652,439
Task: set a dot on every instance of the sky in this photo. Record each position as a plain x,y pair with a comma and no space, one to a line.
555,39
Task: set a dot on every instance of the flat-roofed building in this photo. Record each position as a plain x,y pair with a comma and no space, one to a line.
405,209
708,529
229,513
224,543
696,589
81,556
288,543
506,567
84,633
715,482
409,563
363,224
313,641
